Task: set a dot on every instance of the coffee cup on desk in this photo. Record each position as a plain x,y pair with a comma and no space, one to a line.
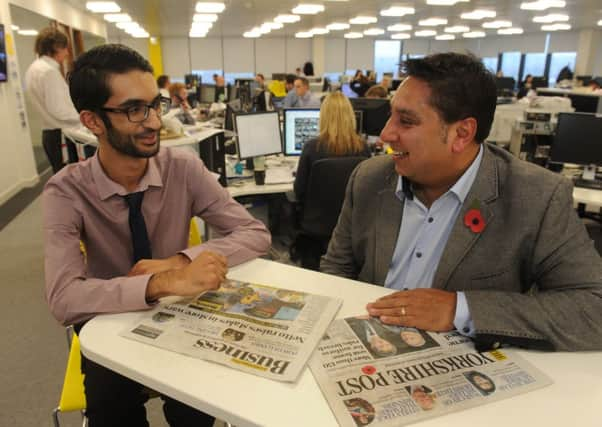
259,168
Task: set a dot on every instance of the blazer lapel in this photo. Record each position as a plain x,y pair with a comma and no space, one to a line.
388,223
484,190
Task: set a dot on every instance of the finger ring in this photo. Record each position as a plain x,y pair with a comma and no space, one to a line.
403,311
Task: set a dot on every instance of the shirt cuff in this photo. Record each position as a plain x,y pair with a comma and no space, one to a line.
463,321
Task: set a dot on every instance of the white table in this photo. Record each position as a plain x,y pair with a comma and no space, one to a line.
247,187
248,400
590,198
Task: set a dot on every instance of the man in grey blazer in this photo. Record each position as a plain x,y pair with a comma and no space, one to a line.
470,237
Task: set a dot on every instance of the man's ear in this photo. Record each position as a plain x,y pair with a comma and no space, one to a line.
462,134
92,121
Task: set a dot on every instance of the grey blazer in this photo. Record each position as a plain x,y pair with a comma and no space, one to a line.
532,278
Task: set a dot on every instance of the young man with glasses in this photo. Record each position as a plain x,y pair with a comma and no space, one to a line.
131,206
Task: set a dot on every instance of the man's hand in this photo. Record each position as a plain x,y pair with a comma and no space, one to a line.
205,272
428,309
154,266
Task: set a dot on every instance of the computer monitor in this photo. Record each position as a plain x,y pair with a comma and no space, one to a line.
505,84
232,108
578,139
376,112
258,134
300,125
347,91
538,82
192,80
207,93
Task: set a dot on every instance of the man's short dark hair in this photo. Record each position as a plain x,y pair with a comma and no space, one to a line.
290,79
89,80
461,87
303,80
162,81
49,40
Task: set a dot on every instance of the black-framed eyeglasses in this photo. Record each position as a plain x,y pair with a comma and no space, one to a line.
139,112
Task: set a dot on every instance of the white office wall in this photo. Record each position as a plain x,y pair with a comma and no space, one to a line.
416,47
205,54
597,60
139,45
360,54
439,46
270,56
563,41
239,55
176,56
335,56
298,52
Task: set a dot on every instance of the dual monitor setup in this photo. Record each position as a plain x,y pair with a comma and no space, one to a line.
258,134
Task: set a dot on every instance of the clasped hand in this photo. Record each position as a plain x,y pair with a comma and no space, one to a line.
427,309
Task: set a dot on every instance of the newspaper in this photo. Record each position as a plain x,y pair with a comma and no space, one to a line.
259,329
381,375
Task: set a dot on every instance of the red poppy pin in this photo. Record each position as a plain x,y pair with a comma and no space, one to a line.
368,369
474,219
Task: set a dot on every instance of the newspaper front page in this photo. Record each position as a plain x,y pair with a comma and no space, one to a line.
255,328
381,375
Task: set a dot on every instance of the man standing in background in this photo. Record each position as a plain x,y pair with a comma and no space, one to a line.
49,94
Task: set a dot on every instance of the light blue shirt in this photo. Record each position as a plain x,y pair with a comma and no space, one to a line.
422,238
290,99
309,100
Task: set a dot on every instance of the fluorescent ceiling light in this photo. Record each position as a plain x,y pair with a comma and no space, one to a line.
600,22
397,11
363,20
552,17
542,4
432,22
478,14
399,27
400,36
27,32
140,34
197,34
251,35
445,37
497,24
474,35
287,19
353,35
336,26
457,29
319,31
204,17
103,7
118,17
14,27
308,9
425,33
510,31
445,3
264,28
210,7
201,26
555,27
272,25
127,25
304,35
374,31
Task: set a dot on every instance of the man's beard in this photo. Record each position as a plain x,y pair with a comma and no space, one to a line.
126,144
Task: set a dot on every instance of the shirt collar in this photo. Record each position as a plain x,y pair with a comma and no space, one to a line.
106,187
50,61
460,188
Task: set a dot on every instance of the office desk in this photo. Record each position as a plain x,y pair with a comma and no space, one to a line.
249,188
590,198
248,400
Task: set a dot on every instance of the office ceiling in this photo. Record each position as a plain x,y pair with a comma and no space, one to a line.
172,18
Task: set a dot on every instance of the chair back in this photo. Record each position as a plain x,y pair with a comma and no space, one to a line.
325,194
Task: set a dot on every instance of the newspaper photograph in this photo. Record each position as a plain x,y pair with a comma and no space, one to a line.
382,375
255,328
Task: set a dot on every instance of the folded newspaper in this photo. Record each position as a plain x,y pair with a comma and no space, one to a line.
259,329
381,375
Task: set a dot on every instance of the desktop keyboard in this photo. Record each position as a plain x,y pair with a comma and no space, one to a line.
586,183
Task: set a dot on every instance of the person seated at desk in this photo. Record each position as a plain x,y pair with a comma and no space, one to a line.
260,79
178,94
525,87
486,243
163,85
291,94
130,205
220,88
360,86
377,92
305,98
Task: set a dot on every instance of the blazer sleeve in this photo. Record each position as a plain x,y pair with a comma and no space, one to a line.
563,312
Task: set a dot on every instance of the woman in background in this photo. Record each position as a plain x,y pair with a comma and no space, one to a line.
337,138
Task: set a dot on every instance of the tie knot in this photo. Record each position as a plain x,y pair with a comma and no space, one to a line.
134,200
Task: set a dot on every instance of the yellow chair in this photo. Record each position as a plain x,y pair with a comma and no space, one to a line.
73,397
194,236
277,88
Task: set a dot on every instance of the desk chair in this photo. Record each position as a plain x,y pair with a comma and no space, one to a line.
321,208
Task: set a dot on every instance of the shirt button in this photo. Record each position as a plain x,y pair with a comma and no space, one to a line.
430,219
466,330
418,254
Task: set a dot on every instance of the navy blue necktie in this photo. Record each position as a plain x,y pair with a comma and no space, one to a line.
140,242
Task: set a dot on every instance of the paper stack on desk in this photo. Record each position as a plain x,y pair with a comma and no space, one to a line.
279,175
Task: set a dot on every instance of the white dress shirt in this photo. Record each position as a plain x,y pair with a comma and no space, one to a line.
49,94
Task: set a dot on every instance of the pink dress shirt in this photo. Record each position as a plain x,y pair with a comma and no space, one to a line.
82,203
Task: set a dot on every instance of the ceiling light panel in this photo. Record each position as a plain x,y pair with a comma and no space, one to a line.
445,3
397,11
556,27
204,17
117,17
210,7
336,26
27,32
542,4
401,36
127,25
14,27
103,7
497,24
425,33
432,22
510,31
353,35
552,17
479,14
474,35
363,20
251,35
399,27
445,37
287,19
457,29
318,31
304,35
308,9
374,31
